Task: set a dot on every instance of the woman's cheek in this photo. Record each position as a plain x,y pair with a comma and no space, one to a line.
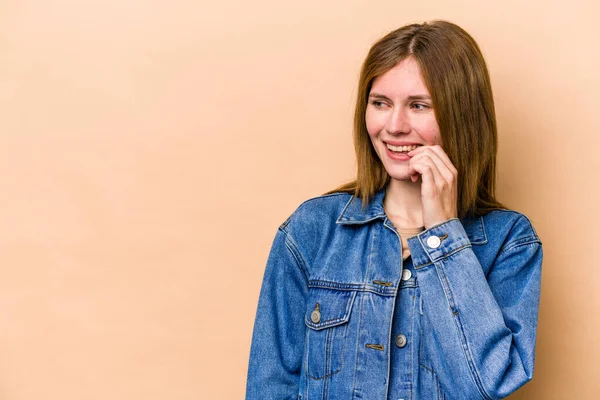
374,125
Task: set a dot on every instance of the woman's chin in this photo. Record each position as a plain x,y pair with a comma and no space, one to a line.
401,177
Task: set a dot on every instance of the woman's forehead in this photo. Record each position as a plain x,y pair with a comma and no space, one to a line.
404,79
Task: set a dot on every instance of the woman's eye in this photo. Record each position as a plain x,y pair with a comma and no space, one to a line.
377,103
420,106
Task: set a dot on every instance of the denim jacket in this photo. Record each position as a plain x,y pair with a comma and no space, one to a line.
334,279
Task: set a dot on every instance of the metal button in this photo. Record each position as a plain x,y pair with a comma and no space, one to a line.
406,274
315,316
433,242
401,340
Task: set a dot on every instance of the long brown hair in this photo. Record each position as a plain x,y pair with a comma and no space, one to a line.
457,78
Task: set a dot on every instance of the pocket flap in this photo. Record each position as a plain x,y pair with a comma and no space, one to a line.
326,307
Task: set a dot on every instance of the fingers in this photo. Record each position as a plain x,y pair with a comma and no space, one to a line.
439,187
437,150
429,171
440,158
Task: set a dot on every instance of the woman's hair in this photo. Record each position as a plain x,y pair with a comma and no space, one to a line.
456,76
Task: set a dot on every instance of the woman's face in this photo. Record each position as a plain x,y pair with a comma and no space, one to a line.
400,117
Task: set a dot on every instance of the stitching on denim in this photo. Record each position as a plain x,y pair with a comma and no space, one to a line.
358,287
461,334
327,324
427,368
328,365
436,225
378,347
412,342
297,262
387,225
422,345
285,223
423,265
329,343
361,221
521,216
484,234
323,377
441,273
349,221
520,242
411,283
370,250
318,283
329,334
443,257
344,346
435,377
293,247
439,387
333,321
360,315
480,231
339,218
306,346
470,361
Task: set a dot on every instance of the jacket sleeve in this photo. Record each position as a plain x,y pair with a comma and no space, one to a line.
479,329
279,328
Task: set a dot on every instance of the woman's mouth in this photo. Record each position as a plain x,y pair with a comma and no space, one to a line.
401,149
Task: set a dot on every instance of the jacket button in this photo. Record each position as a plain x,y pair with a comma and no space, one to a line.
401,340
406,274
433,242
315,316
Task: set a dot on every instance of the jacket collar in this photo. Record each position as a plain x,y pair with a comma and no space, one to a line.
354,214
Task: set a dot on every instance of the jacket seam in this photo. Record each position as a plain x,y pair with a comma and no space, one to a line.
470,362
485,240
520,242
441,273
356,355
443,256
358,287
412,337
325,196
293,249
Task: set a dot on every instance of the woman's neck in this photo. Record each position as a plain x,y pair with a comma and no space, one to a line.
402,203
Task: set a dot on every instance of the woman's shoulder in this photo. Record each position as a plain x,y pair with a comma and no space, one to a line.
513,225
320,210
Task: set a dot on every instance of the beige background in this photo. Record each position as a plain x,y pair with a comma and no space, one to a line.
150,149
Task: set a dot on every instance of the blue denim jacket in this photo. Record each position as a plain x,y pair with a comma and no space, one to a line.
323,327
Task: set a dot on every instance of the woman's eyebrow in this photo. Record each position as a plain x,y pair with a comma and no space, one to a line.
419,97
378,96
412,97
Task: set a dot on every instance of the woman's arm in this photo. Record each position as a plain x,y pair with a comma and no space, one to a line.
279,328
479,330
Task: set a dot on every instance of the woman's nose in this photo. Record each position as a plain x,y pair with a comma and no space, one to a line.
398,122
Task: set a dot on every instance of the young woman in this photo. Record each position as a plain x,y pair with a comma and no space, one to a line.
413,281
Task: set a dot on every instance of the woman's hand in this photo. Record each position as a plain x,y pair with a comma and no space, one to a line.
439,193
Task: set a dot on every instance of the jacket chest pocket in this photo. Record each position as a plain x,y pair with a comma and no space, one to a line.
327,315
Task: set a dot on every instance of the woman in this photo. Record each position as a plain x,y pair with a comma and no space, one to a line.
413,281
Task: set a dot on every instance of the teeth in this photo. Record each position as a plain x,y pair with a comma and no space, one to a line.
401,148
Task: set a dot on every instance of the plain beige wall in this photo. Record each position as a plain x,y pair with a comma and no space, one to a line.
150,149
